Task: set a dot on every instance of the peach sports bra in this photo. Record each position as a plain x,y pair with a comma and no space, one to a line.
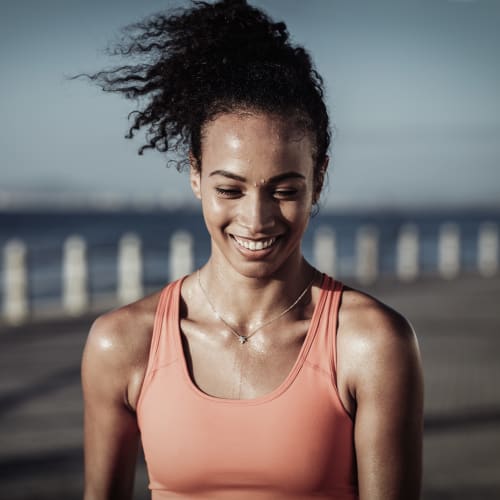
295,442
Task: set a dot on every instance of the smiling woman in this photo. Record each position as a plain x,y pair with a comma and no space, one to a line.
256,377
256,189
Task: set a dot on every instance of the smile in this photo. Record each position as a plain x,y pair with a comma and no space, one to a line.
254,245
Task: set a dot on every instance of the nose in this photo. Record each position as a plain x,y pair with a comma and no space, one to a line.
257,213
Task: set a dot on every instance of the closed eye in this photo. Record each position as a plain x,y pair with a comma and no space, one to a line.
228,193
284,193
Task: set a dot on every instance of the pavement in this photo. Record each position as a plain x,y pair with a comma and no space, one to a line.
458,326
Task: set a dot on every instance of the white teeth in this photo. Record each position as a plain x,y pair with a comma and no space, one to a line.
255,245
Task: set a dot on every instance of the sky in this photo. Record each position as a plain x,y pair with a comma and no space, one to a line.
413,90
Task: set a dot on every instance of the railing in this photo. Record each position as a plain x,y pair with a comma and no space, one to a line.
75,297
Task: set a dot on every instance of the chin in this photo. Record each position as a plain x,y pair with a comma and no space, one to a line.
264,269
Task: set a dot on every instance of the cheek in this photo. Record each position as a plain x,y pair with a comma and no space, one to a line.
297,214
214,210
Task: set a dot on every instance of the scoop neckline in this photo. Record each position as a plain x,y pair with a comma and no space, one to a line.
285,383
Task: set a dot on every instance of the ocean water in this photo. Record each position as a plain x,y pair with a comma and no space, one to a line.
45,231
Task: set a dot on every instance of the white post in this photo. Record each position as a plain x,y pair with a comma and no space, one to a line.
181,255
487,249
15,282
367,254
449,251
75,294
129,268
407,253
324,250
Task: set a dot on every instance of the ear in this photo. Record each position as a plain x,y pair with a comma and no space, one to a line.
320,179
195,176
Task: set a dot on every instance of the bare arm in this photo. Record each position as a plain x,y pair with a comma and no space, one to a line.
388,391
111,436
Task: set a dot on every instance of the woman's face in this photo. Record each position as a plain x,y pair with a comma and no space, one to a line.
256,188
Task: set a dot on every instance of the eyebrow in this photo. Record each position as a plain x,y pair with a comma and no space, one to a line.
276,178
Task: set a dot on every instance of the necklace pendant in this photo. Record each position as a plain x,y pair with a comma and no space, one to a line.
242,339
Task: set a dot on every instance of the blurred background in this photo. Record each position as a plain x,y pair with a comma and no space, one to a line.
411,213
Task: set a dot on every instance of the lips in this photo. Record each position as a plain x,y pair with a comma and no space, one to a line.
254,245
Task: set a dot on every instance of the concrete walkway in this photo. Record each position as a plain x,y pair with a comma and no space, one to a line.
458,324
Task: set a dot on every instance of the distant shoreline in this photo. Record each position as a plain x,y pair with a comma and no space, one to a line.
71,203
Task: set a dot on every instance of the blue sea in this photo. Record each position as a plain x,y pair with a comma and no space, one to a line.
44,232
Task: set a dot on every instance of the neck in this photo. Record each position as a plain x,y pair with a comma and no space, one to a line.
248,301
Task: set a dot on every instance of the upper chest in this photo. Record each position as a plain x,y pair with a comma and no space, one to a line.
221,366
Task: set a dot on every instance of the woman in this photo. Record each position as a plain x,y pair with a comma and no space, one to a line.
256,377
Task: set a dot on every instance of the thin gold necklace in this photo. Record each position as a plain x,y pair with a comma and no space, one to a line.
244,338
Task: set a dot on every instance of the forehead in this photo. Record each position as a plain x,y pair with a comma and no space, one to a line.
255,134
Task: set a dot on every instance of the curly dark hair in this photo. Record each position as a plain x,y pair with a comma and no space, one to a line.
212,58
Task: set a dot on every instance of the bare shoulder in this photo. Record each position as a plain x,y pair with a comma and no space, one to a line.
378,342
121,333
370,320
117,347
